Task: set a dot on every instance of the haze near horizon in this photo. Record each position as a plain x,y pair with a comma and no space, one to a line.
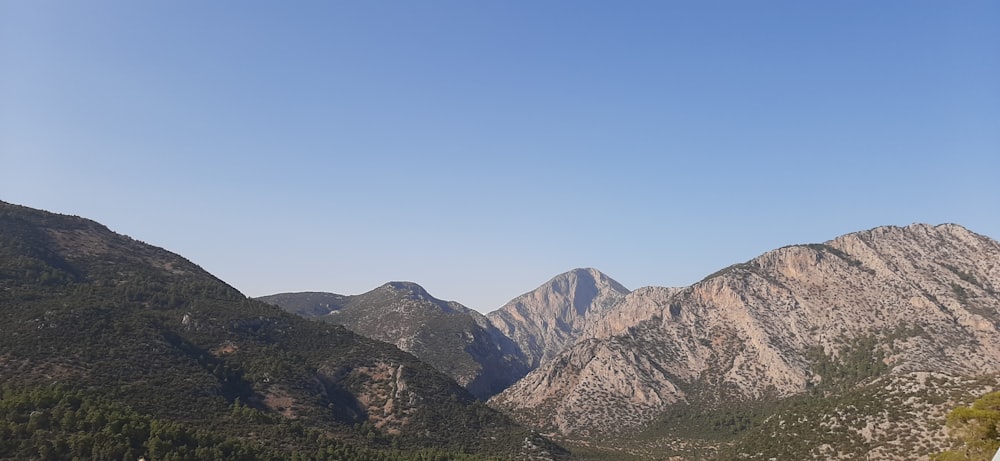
480,149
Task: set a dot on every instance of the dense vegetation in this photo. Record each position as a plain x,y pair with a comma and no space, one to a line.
978,428
49,423
128,337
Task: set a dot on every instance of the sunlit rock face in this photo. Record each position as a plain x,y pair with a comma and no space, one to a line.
549,318
927,296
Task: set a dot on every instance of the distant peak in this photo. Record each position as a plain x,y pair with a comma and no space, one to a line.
582,272
410,288
585,273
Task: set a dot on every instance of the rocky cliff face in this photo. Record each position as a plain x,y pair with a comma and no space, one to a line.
889,300
447,335
546,320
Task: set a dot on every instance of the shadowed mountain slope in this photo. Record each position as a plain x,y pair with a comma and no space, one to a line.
93,316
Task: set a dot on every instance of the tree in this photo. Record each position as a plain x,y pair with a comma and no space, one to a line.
978,427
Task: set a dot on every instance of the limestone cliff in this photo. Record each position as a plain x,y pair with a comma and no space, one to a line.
549,318
918,298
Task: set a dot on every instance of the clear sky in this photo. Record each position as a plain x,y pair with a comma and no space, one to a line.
480,148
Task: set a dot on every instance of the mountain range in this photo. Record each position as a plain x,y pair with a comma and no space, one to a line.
486,354
854,348
886,308
891,304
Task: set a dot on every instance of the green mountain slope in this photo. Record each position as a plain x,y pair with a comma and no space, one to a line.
447,335
145,337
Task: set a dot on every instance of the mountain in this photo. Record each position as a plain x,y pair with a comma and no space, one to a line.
111,348
549,318
445,334
818,327
484,354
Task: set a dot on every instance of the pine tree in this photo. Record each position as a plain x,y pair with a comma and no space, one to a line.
978,427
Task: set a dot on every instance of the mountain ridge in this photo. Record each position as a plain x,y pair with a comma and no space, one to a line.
451,337
759,329
525,331
96,317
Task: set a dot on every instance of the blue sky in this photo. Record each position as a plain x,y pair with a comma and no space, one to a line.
480,148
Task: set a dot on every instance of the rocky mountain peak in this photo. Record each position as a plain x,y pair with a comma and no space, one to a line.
886,300
545,320
583,286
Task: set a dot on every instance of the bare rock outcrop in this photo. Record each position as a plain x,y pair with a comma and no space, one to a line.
925,297
549,318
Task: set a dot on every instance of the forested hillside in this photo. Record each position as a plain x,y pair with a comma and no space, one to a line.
111,348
